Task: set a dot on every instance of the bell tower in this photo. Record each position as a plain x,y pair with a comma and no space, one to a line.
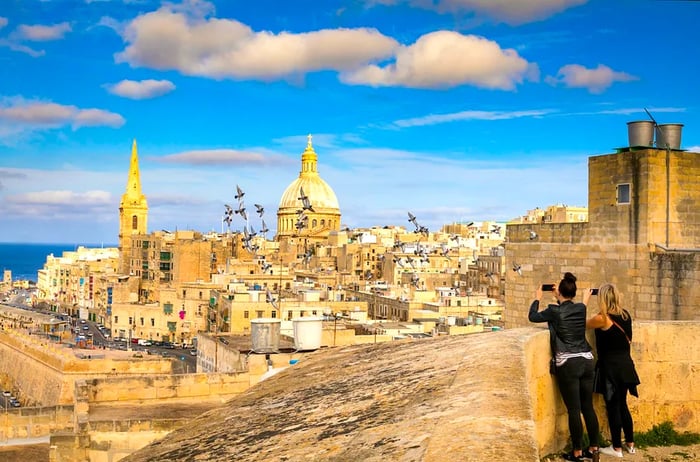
133,212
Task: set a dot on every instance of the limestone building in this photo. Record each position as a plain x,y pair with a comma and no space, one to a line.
321,218
643,234
133,210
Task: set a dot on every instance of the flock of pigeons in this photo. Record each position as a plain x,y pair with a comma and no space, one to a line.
302,222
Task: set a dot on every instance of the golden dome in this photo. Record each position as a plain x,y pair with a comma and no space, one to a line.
320,194
321,214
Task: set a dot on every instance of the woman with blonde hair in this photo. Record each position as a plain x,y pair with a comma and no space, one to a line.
615,371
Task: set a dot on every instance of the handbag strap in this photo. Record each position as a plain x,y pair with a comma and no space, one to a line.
623,330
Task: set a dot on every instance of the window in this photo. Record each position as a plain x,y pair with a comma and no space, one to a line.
134,222
153,322
130,320
623,193
116,320
274,314
245,315
168,308
142,321
259,314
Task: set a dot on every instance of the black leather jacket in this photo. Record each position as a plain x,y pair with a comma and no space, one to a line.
568,321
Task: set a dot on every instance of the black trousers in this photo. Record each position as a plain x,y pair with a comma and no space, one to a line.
575,379
619,417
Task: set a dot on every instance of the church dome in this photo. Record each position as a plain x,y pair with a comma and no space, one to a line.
320,194
321,214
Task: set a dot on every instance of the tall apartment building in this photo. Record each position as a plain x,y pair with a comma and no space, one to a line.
643,234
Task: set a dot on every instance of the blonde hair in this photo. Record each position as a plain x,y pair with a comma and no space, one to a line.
609,301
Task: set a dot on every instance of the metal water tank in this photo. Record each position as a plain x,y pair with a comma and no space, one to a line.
265,335
668,136
640,133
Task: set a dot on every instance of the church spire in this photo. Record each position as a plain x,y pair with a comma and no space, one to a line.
133,184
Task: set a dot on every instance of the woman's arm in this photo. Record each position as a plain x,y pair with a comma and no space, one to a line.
596,322
534,315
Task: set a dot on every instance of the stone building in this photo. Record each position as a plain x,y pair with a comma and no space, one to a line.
643,234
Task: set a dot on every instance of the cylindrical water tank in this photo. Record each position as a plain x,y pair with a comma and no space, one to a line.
640,133
307,332
265,335
668,136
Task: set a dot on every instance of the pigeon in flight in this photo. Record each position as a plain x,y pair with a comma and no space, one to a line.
518,269
533,235
239,193
415,280
241,211
259,209
305,202
266,266
412,219
264,229
270,299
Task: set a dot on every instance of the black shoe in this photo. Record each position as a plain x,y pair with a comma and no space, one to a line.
591,455
571,456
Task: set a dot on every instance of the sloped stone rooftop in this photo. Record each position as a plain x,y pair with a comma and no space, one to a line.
440,399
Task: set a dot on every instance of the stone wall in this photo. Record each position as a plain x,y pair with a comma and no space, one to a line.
32,422
655,285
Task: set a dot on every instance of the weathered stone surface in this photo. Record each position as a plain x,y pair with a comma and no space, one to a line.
443,399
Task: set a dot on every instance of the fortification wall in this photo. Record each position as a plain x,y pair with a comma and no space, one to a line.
165,388
655,285
32,422
667,357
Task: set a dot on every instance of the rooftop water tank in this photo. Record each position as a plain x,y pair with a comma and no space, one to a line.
307,332
640,133
265,335
668,136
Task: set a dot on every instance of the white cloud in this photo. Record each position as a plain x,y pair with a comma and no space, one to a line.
52,198
693,149
434,119
19,116
224,157
3,22
507,11
446,59
21,48
40,33
595,80
223,48
143,89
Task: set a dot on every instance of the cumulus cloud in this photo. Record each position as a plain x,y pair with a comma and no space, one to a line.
57,204
224,157
222,48
33,115
434,119
14,46
40,33
595,80
693,149
445,59
3,22
143,89
508,11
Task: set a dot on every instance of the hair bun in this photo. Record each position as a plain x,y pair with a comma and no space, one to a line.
569,277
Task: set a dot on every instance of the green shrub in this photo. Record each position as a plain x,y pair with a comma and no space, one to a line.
664,434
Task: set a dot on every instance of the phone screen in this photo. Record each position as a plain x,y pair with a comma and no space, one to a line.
594,291
547,287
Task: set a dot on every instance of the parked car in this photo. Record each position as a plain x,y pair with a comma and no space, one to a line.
169,345
193,352
6,394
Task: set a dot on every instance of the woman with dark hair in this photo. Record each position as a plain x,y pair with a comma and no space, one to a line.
574,362
616,371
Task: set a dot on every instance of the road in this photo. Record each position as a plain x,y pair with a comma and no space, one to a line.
187,361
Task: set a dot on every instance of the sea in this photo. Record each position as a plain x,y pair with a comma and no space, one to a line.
25,260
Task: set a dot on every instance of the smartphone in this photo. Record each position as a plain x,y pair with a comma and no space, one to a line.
547,287
594,291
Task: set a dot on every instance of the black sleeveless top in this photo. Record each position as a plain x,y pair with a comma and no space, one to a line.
613,350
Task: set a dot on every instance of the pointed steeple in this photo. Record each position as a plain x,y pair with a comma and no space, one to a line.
133,192
309,160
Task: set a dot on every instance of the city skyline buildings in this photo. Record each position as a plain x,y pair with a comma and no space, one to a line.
468,111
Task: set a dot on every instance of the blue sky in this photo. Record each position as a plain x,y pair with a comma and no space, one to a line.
450,109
